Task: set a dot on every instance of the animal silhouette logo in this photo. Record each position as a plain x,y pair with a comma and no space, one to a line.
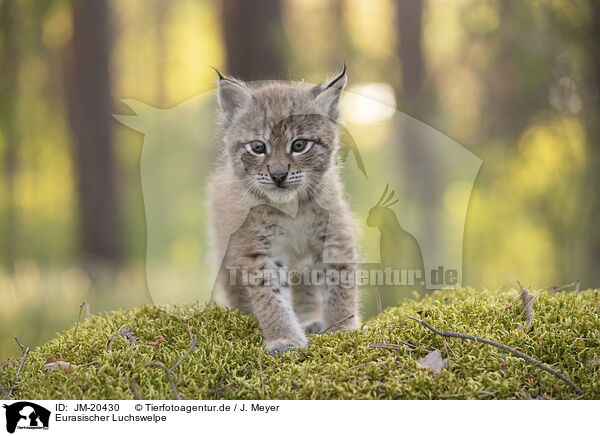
399,253
431,175
26,415
398,248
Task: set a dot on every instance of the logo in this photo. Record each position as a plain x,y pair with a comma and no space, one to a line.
26,415
408,190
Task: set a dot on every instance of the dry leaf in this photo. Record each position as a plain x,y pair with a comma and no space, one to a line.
433,361
159,340
527,300
52,365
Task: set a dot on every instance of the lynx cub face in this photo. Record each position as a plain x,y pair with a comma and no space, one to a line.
280,138
277,204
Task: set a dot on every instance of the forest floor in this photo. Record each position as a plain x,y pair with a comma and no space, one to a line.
210,352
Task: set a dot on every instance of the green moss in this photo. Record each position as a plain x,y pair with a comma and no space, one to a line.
565,334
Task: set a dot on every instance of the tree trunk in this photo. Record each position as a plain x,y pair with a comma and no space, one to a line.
254,39
419,166
591,275
9,72
409,17
412,97
89,102
160,9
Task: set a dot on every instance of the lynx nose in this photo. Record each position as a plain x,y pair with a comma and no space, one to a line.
278,174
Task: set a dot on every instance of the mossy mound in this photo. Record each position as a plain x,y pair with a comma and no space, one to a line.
225,364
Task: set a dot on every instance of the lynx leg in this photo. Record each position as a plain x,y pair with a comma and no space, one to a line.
272,304
237,295
340,307
308,301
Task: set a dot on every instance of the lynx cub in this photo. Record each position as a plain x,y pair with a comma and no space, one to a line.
277,205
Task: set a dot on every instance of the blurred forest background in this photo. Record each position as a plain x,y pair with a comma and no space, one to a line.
515,82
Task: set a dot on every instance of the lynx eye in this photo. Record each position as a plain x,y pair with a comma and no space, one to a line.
257,148
301,146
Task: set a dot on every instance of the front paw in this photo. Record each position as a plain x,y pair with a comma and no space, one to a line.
313,327
281,346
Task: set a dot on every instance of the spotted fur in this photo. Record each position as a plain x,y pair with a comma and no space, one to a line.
263,223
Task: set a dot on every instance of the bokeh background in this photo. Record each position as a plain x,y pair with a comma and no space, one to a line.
516,83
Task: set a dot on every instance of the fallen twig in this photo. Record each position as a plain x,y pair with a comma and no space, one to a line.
540,396
448,347
517,297
554,289
133,354
378,300
194,340
337,323
169,376
249,336
78,318
114,336
220,388
518,353
24,351
136,391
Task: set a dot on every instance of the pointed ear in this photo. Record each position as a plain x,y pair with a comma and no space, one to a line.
144,115
232,94
327,95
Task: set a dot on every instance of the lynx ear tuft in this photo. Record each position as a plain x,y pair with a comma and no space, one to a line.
221,77
339,82
233,94
328,94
